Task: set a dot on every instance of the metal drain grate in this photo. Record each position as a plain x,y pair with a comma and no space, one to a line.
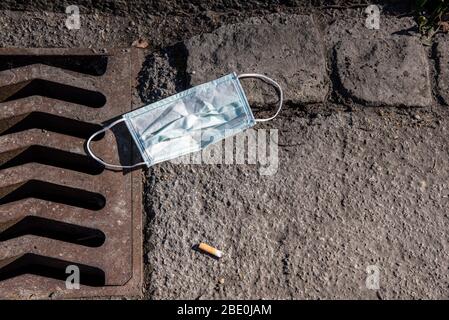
58,207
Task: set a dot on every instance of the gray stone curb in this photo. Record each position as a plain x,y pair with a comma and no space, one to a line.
386,71
442,56
286,48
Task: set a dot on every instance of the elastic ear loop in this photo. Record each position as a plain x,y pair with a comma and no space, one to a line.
270,81
108,165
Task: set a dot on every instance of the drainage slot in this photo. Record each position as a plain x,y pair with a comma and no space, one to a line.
53,90
92,65
52,192
49,122
51,157
39,265
52,229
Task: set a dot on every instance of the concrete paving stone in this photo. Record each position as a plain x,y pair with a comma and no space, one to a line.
359,189
443,68
384,72
287,48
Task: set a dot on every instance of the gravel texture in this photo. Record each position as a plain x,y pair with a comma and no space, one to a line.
353,189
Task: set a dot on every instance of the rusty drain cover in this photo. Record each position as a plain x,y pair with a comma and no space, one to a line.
58,207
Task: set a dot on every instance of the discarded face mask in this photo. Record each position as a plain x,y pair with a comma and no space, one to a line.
190,120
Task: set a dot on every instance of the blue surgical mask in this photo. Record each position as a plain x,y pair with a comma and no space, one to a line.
190,120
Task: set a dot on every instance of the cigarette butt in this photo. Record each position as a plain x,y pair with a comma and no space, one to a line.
211,250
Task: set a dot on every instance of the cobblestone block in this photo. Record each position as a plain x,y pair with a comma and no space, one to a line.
384,72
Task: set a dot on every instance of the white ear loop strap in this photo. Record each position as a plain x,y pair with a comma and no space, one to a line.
272,82
108,165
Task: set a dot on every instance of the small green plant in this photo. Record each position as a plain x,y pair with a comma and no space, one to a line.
433,17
